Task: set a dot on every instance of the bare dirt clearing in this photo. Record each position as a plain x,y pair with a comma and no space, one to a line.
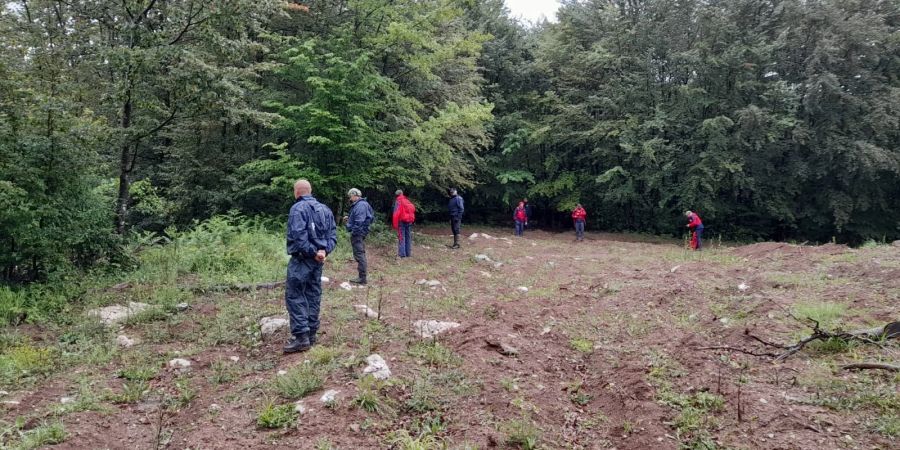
602,349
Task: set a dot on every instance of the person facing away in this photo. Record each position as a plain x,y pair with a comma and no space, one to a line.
358,220
311,237
455,207
696,225
579,215
403,218
519,217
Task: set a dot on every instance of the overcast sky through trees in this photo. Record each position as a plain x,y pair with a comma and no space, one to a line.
532,10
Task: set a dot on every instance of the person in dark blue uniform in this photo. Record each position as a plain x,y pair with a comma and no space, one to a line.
311,237
358,220
456,207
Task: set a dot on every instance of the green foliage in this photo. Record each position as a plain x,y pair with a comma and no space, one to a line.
25,361
433,354
521,433
828,314
276,416
299,381
42,435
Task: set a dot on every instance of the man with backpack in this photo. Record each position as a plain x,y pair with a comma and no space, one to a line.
358,220
311,236
579,215
520,218
403,218
456,208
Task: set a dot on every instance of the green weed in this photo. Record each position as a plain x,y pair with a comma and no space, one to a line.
299,381
521,433
42,435
25,361
276,416
434,354
402,440
368,396
582,345
132,392
828,314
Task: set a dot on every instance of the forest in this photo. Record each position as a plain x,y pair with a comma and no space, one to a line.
127,120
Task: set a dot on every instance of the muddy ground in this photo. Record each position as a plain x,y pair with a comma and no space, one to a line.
609,347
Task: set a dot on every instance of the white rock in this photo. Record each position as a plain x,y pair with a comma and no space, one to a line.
179,363
498,265
724,320
529,257
2,393
533,244
366,311
421,281
482,257
67,400
743,287
431,328
114,314
326,279
377,367
485,274
124,341
672,270
763,401
522,289
300,408
346,286
473,236
10,402
214,408
433,283
281,372
183,306
329,396
271,325
487,236
234,358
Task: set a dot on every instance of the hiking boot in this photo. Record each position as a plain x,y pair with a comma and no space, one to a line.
298,344
358,281
312,337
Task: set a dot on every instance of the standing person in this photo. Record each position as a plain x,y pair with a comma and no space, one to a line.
311,236
520,218
528,211
358,220
456,207
579,215
695,224
403,218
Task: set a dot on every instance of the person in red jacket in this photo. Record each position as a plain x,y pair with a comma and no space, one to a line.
403,218
696,225
579,215
520,217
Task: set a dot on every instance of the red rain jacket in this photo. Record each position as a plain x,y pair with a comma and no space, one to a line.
695,221
404,211
579,214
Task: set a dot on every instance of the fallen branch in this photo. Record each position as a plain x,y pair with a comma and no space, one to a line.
735,349
869,365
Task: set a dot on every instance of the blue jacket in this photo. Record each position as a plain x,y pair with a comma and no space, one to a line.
456,207
360,217
310,228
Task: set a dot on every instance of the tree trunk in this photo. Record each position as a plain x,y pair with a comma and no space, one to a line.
125,166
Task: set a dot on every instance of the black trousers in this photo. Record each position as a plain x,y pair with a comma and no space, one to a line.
358,242
454,224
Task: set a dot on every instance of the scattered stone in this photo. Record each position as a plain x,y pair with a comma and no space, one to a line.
433,283
182,307
354,427
271,325
281,372
326,279
300,408
743,287
329,396
346,286
111,315
2,393
545,331
534,244
896,243
214,408
124,341
505,348
672,270
473,236
724,320
377,367
366,311
10,402
179,363
486,274
431,328
482,258
234,358
522,289
421,281
529,257
67,400
487,236
763,401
